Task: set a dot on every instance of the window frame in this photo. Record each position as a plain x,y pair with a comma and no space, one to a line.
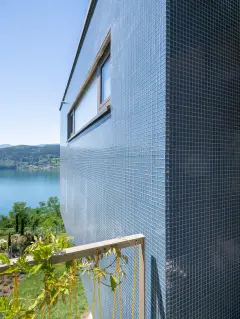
95,71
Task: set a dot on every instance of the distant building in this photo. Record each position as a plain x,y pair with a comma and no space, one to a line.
150,143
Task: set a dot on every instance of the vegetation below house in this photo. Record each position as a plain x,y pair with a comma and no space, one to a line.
32,232
23,223
30,157
54,285
45,288
29,287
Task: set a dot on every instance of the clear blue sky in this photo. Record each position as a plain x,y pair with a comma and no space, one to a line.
38,43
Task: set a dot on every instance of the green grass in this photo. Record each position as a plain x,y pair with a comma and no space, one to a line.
30,288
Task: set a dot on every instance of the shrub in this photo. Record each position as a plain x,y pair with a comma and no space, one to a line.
3,244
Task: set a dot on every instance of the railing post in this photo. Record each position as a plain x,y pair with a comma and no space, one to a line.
142,279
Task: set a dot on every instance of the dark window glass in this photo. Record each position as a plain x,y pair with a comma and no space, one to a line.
71,124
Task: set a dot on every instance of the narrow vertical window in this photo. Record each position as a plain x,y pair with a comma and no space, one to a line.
105,81
71,124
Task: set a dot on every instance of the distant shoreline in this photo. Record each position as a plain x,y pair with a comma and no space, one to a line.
25,157
37,168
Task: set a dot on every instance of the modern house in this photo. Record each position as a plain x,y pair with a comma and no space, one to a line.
150,143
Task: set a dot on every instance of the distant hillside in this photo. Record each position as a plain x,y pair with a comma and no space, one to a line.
30,157
5,145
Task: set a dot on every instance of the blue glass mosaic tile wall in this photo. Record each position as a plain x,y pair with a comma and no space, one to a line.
203,159
166,160
113,175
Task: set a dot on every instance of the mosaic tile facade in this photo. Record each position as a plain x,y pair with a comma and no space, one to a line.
165,161
113,174
203,146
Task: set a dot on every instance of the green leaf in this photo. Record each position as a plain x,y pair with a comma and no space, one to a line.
34,305
113,282
4,259
35,269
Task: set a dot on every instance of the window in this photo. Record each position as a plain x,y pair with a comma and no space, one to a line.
105,81
93,99
71,123
87,107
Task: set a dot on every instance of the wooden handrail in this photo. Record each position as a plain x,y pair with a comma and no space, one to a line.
82,251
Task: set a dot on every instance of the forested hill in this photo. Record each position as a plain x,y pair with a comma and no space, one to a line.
30,157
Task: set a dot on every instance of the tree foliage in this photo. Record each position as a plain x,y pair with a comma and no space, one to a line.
19,213
46,215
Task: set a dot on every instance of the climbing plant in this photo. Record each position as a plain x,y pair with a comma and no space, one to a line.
59,287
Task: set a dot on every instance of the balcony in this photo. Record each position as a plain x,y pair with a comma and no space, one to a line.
83,258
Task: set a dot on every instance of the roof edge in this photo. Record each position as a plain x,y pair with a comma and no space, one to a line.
90,11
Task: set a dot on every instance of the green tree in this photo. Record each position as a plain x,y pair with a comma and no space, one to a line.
50,215
17,223
6,222
22,226
9,240
46,216
34,219
54,205
19,212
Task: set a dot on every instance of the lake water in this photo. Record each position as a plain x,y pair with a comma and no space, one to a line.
29,186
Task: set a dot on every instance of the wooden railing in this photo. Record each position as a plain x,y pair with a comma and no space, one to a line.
82,251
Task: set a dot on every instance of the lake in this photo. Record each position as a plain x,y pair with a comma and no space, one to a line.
29,186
